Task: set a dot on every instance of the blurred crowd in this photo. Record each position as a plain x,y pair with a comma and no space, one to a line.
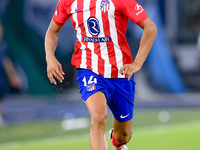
9,78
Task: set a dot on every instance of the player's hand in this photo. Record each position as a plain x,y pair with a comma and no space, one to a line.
130,69
54,70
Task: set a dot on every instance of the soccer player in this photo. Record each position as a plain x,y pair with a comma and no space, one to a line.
103,60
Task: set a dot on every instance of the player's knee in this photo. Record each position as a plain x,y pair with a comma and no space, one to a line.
98,121
123,136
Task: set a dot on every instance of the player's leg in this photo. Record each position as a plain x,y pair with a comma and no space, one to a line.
122,106
96,105
122,132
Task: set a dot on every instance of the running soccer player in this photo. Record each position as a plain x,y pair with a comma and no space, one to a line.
103,60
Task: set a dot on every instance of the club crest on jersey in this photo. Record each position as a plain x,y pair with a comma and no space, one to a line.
105,5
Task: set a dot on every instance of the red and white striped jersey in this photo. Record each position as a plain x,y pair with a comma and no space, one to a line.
101,32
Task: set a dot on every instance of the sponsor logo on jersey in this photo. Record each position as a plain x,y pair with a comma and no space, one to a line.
96,40
94,30
93,26
105,5
139,8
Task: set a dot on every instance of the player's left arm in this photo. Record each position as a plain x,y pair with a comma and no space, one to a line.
146,43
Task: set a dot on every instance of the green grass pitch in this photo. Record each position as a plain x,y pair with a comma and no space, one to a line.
181,132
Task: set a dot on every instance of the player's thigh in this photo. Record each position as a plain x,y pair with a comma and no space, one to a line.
97,105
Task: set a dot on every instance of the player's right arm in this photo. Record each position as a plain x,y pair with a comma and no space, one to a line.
54,68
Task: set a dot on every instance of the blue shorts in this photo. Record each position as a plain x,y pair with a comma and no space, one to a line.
119,92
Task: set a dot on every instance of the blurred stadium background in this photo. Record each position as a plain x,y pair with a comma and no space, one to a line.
167,89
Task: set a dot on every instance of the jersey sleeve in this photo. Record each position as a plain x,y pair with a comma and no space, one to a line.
60,16
134,11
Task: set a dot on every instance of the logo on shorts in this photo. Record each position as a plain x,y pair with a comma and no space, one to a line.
90,84
91,87
122,117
